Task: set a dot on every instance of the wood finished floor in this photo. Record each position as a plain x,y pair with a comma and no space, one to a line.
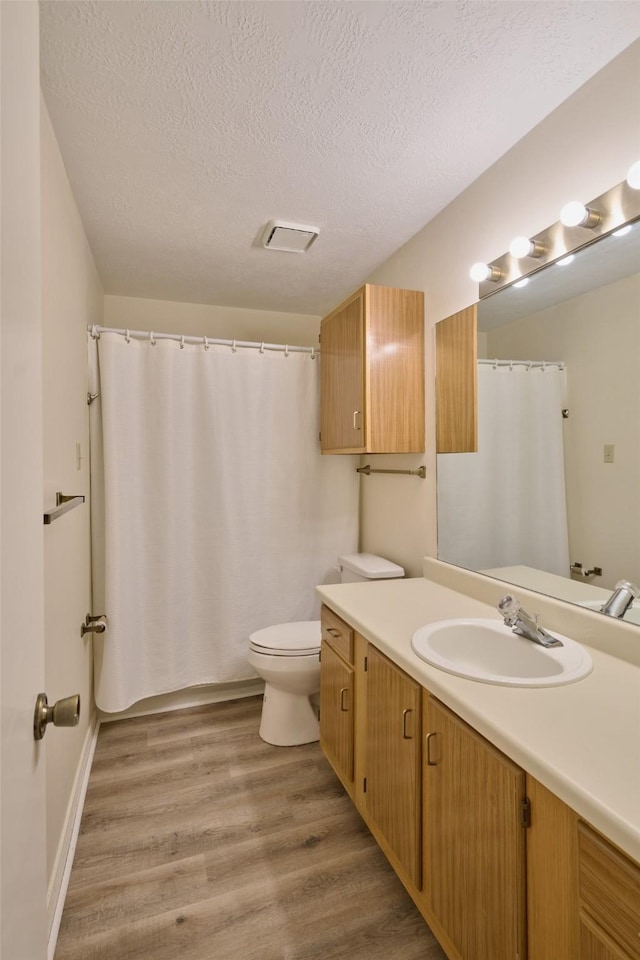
201,842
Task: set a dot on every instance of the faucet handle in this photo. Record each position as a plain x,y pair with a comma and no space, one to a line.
509,607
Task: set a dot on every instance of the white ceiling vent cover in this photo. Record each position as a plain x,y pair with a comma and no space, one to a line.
292,237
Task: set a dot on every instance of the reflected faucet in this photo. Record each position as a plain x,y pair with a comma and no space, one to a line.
621,599
523,624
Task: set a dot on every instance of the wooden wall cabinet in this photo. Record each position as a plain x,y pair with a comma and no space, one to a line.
457,383
474,839
393,754
372,373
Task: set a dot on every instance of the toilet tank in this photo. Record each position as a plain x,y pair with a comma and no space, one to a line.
366,566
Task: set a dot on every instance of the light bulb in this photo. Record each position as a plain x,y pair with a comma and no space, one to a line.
479,272
522,283
633,175
623,231
521,247
565,261
484,271
575,214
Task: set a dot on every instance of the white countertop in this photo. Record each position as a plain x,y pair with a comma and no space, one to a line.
580,740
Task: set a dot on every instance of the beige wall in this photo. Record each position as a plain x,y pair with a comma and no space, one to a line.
598,336
165,316
561,159
72,297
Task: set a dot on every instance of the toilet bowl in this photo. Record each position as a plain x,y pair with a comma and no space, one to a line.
286,657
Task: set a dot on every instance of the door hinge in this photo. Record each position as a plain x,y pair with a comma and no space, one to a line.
366,664
364,785
525,812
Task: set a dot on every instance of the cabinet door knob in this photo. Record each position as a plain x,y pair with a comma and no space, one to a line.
342,706
430,762
405,735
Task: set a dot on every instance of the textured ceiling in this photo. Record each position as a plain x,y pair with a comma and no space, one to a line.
186,126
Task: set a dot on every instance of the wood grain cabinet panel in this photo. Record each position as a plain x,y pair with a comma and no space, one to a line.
609,887
393,789
473,839
337,712
457,383
372,373
596,945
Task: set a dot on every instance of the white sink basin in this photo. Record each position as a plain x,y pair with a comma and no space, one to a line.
488,650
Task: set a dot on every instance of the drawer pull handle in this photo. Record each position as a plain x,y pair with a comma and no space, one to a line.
430,762
333,632
405,735
342,706
356,425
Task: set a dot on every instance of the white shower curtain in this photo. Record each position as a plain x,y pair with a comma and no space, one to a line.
220,515
506,505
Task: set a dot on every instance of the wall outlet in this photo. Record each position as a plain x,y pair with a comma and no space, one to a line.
609,450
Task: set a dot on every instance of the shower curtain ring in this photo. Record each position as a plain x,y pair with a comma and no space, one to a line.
94,332
206,343
127,337
234,349
151,340
286,349
182,342
262,347
313,353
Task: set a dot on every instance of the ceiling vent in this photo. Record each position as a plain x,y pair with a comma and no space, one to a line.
292,237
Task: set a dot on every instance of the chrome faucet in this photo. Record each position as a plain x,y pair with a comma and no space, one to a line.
524,624
621,599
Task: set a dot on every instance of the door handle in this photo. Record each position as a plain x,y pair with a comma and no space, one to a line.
63,713
405,735
356,425
342,706
430,762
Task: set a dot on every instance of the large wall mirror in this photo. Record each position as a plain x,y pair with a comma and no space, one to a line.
551,498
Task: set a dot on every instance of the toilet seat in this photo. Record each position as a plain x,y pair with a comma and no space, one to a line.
298,639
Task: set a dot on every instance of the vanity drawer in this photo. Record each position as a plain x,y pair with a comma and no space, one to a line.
337,633
610,889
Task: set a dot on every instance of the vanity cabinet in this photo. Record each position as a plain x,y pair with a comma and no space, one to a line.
372,373
337,696
393,754
474,839
609,899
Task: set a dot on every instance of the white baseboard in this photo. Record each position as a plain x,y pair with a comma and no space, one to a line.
190,697
59,881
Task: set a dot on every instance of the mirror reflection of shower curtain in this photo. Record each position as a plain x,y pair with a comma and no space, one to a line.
506,504
214,513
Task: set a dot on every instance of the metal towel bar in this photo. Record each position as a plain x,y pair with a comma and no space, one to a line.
63,505
420,472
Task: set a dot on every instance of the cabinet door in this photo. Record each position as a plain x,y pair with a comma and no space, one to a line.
393,788
336,712
342,413
596,945
457,383
474,840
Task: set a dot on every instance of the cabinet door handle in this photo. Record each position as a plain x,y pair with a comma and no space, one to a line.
405,735
356,425
430,762
342,706
333,632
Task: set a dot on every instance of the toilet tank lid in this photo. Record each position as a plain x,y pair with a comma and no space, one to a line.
370,566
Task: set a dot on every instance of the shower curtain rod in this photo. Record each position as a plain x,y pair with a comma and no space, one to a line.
205,342
529,364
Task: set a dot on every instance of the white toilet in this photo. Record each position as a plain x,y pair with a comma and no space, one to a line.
286,657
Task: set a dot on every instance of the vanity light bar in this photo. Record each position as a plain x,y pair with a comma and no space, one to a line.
579,225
